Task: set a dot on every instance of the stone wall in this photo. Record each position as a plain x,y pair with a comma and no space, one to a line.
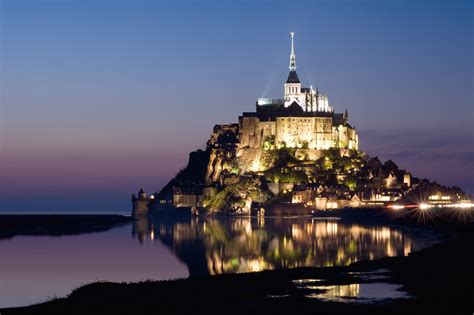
140,207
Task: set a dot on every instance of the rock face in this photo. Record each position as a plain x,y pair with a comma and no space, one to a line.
238,169
238,177
222,146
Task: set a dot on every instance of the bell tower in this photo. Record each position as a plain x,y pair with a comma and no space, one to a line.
293,84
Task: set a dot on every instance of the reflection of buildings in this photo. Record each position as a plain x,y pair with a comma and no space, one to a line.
235,245
337,293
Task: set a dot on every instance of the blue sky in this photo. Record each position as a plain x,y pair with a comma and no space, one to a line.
101,97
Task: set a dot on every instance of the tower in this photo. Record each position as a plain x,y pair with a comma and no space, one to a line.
293,85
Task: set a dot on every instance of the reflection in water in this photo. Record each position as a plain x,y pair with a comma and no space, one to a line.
35,268
358,292
243,244
367,287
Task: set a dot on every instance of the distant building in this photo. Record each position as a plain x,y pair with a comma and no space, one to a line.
141,204
187,196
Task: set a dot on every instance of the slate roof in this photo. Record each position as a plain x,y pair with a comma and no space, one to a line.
292,77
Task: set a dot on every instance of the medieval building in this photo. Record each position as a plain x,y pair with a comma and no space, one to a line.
303,118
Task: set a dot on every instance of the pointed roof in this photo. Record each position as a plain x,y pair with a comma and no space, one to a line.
293,77
294,109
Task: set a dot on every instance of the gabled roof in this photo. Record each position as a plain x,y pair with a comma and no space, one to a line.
294,109
292,77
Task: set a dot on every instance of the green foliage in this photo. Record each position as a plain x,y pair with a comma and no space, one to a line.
327,164
233,197
284,156
269,144
233,167
351,183
285,175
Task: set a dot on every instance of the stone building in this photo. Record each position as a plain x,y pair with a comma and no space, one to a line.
141,204
187,196
303,118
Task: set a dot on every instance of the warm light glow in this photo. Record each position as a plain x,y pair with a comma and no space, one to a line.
424,206
397,207
463,205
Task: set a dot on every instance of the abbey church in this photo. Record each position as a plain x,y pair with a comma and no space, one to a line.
302,119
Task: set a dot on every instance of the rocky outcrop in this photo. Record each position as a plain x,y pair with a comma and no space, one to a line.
193,174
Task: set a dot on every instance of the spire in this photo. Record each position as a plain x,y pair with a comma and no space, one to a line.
292,76
292,54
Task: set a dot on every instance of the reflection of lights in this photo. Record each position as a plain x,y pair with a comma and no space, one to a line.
331,228
407,248
336,292
296,232
306,281
152,235
230,248
381,234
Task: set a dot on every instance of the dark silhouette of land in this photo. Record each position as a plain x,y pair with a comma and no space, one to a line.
58,224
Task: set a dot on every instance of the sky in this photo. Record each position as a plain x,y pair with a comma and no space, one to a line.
99,98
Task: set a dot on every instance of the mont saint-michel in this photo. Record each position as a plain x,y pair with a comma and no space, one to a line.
236,157
292,155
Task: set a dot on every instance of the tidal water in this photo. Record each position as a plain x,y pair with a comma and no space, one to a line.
36,268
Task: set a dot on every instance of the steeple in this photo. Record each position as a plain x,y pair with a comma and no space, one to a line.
293,85
292,76
292,54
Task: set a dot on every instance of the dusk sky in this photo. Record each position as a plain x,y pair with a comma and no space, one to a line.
99,98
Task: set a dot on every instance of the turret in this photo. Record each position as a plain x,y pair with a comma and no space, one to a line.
140,205
142,194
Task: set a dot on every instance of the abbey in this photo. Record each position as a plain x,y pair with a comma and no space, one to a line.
251,153
303,118
294,149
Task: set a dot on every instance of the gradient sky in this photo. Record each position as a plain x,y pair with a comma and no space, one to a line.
99,98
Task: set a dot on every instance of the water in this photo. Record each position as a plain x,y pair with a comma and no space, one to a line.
359,292
367,287
35,268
